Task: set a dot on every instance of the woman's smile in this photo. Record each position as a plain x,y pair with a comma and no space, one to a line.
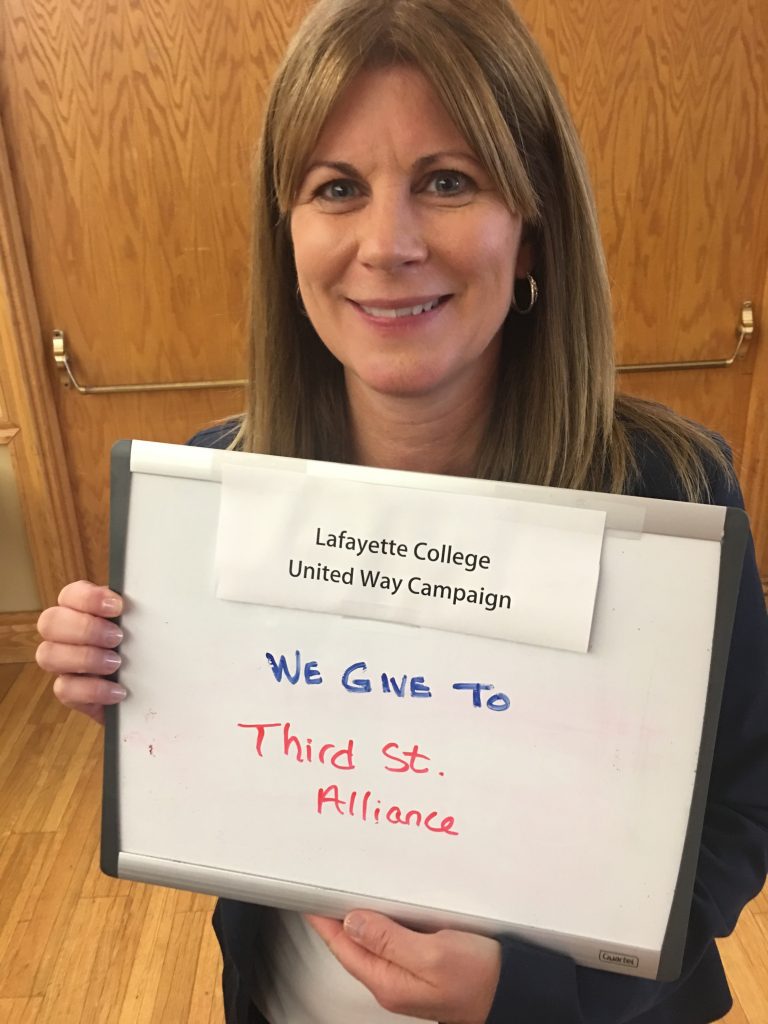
400,314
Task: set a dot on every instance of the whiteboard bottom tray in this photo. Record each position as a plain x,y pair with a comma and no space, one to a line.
276,892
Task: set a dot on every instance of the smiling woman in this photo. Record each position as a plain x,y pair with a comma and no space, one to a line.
430,293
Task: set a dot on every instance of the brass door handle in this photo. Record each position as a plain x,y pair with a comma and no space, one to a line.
68,379
745,329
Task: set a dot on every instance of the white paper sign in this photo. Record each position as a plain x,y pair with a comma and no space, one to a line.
485,566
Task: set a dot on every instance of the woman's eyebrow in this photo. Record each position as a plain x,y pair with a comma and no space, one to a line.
350,171
334,165
434,158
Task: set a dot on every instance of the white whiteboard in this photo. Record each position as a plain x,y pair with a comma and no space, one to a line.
572,806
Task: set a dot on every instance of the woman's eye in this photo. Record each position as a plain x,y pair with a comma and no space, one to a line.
449,183
337,190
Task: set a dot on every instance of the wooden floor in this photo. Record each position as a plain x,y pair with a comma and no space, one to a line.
77,947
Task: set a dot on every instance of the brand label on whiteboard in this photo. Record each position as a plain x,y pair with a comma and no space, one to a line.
487,566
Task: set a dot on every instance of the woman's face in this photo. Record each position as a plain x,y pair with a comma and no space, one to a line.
405,252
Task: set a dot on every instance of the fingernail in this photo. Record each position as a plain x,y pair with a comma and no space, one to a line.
117,692
353,925
113,635
111,606
111,660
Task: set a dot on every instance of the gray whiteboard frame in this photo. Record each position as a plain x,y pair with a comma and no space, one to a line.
733,545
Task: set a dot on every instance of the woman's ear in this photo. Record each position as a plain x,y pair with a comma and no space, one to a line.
525,259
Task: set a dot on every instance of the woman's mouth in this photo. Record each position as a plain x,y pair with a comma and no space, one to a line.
398,310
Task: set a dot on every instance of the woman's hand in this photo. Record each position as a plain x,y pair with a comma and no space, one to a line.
449,976
77,646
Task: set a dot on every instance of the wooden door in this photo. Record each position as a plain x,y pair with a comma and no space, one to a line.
131,129
670,100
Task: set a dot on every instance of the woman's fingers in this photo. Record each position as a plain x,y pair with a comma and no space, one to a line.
77,647
87,693
84,596
64,625
75,658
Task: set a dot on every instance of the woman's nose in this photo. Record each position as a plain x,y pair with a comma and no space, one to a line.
391,233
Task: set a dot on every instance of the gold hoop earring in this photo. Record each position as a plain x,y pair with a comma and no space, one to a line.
534,294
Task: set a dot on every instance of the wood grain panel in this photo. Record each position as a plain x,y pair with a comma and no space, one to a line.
8,673
736,1015
205,1004
20,1011
719,399
116,111
82,986
745,954
760,905
174,994
70,949
149,111
18,637
59,885
99,421
669,103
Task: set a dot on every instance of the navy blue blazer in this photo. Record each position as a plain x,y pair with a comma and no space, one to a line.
539,985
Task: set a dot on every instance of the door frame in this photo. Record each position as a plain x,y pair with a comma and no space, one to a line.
29,426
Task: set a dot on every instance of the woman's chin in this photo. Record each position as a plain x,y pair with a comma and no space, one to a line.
407,389
412,383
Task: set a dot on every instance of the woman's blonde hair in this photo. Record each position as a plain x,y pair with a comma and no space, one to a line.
557,420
